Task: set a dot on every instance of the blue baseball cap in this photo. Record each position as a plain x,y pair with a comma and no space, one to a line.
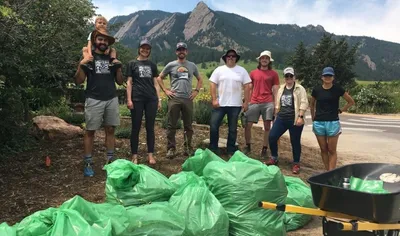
328,71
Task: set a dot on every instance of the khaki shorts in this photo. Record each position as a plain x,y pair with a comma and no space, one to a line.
98,113
266,110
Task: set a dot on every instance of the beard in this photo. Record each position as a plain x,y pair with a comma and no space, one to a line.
102,47
181,55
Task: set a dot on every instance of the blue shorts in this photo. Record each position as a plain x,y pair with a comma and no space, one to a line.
327,128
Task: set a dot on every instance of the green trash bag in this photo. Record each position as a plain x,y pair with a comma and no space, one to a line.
39,223
241,157
69,222
156,219
369,186
204,214
200,159
240,186
66,222
6,230
299,194
181,178
130,184
100,214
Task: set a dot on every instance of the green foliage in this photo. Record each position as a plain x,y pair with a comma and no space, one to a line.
204,65
39,49
62,110
124,111
123,132
14,133
202,112
328,52
377,98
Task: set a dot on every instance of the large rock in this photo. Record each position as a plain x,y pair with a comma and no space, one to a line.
52,128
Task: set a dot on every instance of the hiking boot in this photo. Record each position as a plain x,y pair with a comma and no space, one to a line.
264,152
170,153
88,170
271,161
296,168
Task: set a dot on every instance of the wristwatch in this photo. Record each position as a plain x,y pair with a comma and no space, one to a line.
302,117
340,111
197,90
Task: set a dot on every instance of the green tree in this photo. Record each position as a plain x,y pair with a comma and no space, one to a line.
308,64
203,65
40,46
299,61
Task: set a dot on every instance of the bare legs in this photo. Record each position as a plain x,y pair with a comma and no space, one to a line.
328,146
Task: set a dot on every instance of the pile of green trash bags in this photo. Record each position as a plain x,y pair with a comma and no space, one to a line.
209,197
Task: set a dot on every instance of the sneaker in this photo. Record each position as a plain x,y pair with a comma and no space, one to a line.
296,169
272,161
264,152
88,170
171,153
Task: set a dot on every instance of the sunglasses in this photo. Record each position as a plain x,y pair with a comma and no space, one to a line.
289,76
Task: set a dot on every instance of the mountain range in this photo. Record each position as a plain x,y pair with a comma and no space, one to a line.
209,33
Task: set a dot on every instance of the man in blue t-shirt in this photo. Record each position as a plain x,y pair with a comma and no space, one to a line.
101,104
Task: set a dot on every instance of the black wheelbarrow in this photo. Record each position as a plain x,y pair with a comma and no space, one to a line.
353,212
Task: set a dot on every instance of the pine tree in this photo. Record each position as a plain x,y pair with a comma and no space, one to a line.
308,64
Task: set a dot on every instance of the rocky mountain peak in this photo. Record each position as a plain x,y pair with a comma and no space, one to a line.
199,20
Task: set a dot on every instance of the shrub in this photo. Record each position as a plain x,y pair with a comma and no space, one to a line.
202,112
124,111
374,99
58,108
123,132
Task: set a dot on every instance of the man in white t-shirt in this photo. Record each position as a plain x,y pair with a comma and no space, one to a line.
230,80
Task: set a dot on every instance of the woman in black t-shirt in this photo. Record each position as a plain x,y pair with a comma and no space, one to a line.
143,95
324,106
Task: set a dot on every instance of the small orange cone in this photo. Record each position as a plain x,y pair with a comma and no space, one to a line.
48,161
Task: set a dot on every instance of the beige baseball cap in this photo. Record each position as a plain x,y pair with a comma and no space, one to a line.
288,70
266,53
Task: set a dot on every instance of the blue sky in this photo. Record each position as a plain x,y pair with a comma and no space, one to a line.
375,18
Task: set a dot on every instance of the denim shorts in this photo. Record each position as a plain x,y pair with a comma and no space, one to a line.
327,128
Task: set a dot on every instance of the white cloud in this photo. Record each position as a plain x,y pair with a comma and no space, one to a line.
374,18
110,8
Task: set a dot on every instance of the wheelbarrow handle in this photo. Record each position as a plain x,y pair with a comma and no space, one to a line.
304,210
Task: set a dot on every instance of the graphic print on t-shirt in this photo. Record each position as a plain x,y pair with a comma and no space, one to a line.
183,73
145,72
102,67
286,100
